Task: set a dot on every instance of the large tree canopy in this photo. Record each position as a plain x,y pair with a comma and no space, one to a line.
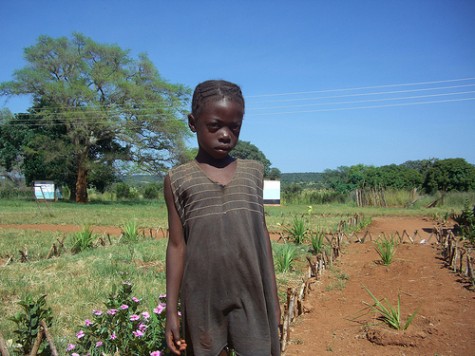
450,174
103,103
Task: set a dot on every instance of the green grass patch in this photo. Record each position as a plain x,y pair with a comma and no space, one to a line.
77,284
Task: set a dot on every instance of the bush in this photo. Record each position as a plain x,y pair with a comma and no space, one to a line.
152,191
28,324
123,329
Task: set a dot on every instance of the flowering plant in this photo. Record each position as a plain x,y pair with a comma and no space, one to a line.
122,328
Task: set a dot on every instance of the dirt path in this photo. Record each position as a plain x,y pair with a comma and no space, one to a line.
444,325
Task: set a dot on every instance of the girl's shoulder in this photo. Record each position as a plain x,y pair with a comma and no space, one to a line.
250,164
184,167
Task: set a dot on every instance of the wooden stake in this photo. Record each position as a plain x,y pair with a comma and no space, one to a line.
49,338
37,344
3,346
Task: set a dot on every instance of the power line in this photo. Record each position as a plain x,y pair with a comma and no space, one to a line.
367,101
361,88
365,107
373,93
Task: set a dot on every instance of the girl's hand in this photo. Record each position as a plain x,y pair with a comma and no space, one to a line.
172,334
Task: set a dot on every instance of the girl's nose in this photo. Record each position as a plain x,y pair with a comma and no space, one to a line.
225,134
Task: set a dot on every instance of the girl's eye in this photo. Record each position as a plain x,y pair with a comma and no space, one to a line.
213,126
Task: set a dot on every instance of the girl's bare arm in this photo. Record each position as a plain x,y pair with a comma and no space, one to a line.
175,261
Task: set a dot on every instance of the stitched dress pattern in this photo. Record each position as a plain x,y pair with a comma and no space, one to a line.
226,291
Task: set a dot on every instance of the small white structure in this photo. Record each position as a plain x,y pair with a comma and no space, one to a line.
44,190
272,192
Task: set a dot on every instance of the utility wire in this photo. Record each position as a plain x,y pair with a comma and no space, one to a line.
361,88
365,107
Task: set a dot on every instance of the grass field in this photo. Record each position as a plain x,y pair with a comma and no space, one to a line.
76,284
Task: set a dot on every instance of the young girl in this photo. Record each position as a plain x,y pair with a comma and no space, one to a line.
219,257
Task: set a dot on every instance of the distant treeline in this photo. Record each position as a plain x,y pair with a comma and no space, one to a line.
429,176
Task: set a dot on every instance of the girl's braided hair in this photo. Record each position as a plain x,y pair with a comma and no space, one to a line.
214,90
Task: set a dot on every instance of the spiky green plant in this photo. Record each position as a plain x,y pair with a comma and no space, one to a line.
83,240
317,241
130,232
298,230
386,249
284,257
389,314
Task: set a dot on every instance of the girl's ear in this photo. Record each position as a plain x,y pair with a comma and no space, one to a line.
192,123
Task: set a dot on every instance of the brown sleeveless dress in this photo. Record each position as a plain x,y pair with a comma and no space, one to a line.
226,289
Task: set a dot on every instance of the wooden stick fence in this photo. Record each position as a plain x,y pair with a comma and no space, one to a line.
458,256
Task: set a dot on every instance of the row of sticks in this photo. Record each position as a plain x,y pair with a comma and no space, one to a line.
58,246
458,256
452,249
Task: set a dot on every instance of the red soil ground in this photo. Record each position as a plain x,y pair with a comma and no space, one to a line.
444,325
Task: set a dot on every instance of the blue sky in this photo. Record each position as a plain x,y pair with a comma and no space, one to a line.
327,83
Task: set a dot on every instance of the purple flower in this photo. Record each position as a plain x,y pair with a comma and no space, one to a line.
80,334
99,344
124,307
137,333
87,322
97,312
160,308
146,315
142,327
136,300
113,336
75,354
155,353
134,317
112,311
70,347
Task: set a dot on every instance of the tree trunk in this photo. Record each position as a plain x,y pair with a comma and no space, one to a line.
72,192
81,182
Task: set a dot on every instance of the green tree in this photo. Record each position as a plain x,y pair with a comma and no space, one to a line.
450,174
247,150
102,96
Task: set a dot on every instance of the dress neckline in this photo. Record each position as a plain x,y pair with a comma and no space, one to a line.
214,181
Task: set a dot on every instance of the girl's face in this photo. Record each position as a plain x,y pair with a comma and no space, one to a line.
217,127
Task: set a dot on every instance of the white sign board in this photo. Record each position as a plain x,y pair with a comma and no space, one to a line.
272,192
44,190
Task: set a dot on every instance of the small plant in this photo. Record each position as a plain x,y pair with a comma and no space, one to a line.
466,222
389,314
340,280
28,324
83,240
284,258
317,242
298,230
122,328
130,232
386,249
